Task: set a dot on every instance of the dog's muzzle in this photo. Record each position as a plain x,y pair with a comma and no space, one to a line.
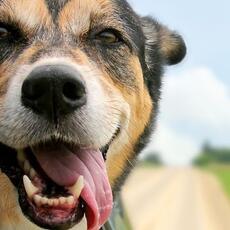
61,122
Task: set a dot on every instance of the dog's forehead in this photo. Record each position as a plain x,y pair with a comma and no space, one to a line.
75,15
54,7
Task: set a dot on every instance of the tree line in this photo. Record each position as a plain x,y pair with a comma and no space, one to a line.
210,154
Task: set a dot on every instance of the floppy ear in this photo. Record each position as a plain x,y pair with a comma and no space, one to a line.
172,46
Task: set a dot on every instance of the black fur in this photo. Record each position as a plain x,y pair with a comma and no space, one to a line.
55,6
153,61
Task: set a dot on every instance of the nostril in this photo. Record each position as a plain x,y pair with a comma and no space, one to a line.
31,91
72,91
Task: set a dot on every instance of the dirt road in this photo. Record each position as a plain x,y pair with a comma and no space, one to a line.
176,199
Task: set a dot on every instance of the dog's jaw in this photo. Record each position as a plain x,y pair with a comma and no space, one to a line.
47,208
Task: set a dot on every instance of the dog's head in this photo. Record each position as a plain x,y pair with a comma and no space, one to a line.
79,87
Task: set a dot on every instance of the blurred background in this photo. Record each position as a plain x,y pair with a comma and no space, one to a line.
183,179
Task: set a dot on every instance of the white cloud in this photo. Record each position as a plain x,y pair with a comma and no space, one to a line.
174,149
198,97
195,107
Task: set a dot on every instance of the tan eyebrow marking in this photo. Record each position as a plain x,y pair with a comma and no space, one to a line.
28,14
77,15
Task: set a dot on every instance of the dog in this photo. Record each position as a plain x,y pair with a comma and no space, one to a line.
79,91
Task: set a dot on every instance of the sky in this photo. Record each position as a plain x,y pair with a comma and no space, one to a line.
195,104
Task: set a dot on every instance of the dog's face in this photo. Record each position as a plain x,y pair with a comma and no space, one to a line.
79,87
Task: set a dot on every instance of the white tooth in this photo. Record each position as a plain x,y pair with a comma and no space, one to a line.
27,166
56,202
37,200
21,156
50,202
29,187
70,200
32,173
76,189
44,200
62,200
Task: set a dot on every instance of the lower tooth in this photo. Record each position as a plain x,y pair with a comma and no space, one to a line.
50,202
70,200
62,200
37,200
55,202
44,200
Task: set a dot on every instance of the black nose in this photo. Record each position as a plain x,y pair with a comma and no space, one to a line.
53,91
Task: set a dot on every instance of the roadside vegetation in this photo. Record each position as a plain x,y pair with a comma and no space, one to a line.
217,161
150,160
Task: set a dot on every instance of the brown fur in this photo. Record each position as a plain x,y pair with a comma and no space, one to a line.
141,107
28,14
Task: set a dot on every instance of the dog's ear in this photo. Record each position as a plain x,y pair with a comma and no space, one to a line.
171,44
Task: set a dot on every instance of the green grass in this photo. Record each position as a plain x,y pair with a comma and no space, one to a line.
223,174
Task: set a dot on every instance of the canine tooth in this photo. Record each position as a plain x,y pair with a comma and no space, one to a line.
37,200
27,166
76,189
70,200
32,173
62,200
29,187
44,200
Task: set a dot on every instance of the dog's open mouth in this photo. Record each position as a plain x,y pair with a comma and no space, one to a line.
59,184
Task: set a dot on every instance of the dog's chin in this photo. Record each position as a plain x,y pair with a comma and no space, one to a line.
59,183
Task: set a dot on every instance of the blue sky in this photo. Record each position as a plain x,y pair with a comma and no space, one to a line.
204,24
196,94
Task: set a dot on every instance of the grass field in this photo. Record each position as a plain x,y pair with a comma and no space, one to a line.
223,174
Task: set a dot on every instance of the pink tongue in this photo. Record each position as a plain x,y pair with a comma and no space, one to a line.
64,166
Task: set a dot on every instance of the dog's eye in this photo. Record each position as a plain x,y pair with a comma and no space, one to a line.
3,32
108,37
10,33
